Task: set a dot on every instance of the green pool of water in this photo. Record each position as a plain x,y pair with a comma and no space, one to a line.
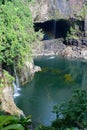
53,85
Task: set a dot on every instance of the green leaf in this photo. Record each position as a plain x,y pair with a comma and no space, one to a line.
4,120
14,127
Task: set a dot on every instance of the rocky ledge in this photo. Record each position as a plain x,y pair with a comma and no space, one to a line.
74,51
7,102
6,97
56,47
26,74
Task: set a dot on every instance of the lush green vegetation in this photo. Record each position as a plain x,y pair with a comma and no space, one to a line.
73,112
16,37
16,32
75,28
73,33
83,14
70,115
6,79
14,123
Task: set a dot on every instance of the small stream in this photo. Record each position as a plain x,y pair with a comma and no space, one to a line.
53,85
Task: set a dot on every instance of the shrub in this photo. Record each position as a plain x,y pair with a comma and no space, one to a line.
72,113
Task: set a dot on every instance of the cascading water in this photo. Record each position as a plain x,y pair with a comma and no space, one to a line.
16,84
54,32
16,77
58,26
15,89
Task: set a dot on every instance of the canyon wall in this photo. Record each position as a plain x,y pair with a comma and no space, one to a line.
43,10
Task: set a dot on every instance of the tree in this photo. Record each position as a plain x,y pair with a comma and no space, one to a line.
72,113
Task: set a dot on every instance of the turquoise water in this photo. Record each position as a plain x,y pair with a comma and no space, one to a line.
53,85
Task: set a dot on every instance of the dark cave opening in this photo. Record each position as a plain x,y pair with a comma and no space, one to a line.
53,28
58,28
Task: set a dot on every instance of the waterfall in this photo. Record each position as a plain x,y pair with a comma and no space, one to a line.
54,29
16,84
61,8
16,93
16,77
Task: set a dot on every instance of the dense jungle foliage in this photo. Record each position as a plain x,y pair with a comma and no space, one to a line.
16,32
16,36
70,115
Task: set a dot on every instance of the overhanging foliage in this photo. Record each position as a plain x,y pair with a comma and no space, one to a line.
16,32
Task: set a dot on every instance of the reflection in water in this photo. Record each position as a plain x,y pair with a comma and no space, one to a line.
53,85
52,57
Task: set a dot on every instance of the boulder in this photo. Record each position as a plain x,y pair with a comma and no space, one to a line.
84,54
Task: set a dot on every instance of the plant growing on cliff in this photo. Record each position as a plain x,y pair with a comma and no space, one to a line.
5,79
16,32
83,11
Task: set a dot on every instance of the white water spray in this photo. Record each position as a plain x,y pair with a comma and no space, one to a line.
16,93
54,28
16,84
51,57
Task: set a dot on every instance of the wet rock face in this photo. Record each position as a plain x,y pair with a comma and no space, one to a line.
77,42
84,54
56,47
7,102
39,10
76,5
49,47
26,74
6,97
43,10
